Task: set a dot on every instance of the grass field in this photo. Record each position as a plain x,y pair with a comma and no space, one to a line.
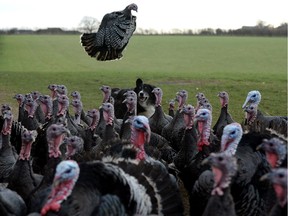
194,63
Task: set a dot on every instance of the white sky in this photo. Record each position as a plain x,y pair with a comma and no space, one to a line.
154,14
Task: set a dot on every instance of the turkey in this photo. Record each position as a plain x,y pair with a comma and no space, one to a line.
159,119
108,116
207,141
106,90
77,96
136,184
225,118
55,134
54,95
171,108
171,131
63,104
251,196
204,103
113,35
255,120
201,192
46,104
63,113
78,108
276,152
94,115
8,155
22,179
278,178
74,148
30,120
102,188
131,104
11,203
38,113
190,168
187,151
56,92
221,202
200,97
20,99
189,140
91,139
253,97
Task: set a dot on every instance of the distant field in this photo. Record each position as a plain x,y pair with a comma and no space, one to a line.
194,63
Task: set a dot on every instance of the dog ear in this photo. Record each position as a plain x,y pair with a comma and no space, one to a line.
139,82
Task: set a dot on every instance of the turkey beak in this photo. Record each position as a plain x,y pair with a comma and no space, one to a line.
224,142
267,176
196,118
66,130
245,103
206,161
259,147
57,181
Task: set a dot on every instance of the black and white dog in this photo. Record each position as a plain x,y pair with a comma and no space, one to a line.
145,100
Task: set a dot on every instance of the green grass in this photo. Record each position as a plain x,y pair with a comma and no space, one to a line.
194,63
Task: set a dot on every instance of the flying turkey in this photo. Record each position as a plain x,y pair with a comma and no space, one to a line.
113,35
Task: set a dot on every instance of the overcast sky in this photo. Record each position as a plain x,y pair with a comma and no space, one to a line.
155,14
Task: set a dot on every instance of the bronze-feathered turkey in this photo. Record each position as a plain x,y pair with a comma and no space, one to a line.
113,35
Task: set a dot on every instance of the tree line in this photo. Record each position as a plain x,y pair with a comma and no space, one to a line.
90,24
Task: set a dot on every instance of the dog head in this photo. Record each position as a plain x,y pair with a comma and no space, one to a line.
145,98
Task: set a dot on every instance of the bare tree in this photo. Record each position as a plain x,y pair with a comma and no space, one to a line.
89,24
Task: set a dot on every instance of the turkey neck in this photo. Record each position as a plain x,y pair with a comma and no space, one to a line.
158,100
47,110
222,181
224,102
53,146
94,123
5,142
189,120
108,117
204,129
6,131
31,108
59,193
138,138
228,146
220,205
25,151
